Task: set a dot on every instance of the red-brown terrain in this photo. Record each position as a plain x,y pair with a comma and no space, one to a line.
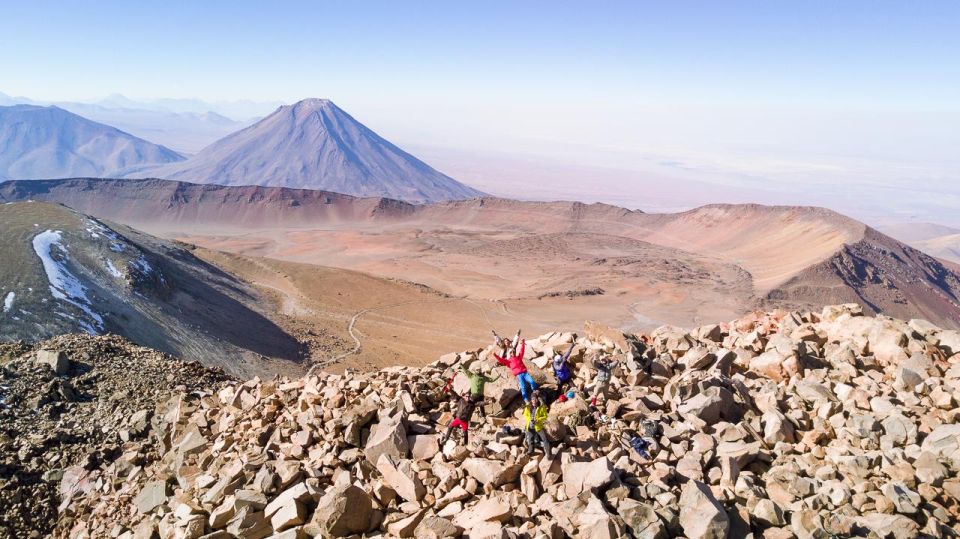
503,263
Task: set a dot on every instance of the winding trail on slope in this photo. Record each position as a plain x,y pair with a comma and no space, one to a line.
356,349
352,325
356,317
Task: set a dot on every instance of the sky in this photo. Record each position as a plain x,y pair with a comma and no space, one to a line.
767,97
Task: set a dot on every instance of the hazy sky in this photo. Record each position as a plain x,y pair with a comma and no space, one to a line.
550,53
741,93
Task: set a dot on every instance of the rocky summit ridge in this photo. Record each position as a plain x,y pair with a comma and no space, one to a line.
778,424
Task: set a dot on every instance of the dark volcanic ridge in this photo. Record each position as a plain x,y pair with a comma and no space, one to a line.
65,272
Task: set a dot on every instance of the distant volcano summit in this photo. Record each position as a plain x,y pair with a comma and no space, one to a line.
314,144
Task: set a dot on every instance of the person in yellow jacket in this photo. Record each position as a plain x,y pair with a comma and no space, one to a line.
535,415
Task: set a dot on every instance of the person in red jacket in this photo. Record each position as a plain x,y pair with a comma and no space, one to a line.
516,366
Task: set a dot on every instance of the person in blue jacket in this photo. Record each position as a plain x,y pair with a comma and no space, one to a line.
562,372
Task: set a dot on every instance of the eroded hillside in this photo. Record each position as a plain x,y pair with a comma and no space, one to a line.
64,272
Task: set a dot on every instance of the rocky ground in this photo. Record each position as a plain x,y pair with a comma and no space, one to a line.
806,424
67,407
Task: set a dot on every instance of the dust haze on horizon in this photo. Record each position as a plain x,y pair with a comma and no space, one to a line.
855,107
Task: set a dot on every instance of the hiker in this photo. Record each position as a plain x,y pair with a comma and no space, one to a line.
535,417
506,346
601,382
515,363
561,371
477,382
461,417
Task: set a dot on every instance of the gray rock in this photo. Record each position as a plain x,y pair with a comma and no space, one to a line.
152,495
896,526
929,470
905,500
57,361
642,520
944,441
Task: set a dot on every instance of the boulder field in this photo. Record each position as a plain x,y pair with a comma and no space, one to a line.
778,424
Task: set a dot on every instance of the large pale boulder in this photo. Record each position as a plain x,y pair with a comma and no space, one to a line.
388,437
595,522
833,313
406,526
642,520
896,526
929,469
486,510
605,334
152,495
888,344
712,405
491,472
57,361
905,500
436,528
701,515
401,477
950,342
424,446
769,364
579,477
944,442
698,357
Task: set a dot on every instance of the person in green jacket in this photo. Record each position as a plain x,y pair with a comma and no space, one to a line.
535,415
478,381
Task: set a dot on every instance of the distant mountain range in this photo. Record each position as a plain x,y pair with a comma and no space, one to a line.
311,144
934,239
183,125
241,110
314,144
50,142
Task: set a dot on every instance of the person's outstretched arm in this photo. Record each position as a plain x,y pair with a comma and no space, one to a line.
567,355
516,339
501,361
523,348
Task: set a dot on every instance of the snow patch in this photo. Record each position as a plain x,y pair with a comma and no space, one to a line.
118,247
96,230
113,269
142,265
8,302
63,284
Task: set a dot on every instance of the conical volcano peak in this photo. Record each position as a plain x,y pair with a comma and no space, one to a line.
310,105
314,144
313,102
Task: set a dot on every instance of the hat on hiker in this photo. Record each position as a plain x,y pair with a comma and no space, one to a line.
558,361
